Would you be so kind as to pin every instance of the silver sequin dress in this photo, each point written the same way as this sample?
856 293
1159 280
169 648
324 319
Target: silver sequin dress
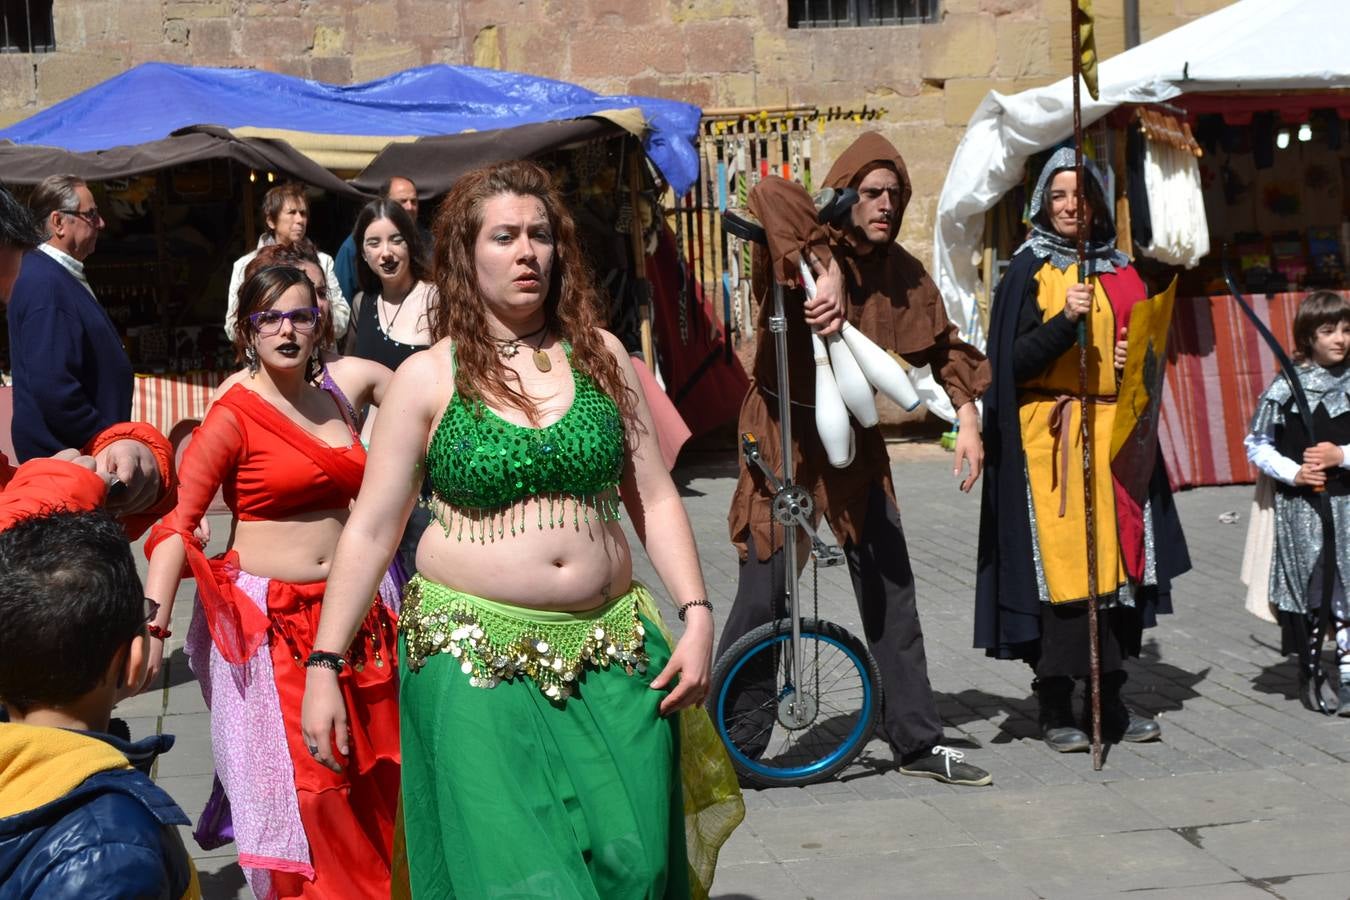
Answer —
1298 527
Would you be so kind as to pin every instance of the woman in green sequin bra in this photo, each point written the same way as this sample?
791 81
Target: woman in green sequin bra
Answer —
541 689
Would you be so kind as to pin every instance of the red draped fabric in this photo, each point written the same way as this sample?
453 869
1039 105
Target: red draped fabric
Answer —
1217 366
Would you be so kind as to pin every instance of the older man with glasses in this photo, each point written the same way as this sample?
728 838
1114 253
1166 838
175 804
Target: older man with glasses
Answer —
72 378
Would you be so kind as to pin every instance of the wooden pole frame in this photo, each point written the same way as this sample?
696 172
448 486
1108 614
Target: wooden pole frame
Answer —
1084 334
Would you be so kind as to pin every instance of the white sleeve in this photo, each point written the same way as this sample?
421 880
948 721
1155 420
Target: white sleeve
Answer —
342 312
232 295
1345 456
1261 453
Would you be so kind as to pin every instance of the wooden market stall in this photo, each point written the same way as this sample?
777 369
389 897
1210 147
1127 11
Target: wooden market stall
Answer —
181 198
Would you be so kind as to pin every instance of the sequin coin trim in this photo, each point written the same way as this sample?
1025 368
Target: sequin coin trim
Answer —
492 645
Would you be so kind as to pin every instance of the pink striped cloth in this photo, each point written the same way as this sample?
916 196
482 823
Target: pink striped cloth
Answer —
166 400
1217 366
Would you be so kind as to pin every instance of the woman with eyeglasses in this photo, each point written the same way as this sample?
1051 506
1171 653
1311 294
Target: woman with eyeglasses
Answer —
289 460
359 383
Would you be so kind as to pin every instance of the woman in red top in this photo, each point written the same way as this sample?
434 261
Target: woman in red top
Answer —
290 462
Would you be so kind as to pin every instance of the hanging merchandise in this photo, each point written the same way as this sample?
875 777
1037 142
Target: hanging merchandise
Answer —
1176 203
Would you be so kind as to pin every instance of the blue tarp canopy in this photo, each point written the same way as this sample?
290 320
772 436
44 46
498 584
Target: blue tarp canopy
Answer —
154 100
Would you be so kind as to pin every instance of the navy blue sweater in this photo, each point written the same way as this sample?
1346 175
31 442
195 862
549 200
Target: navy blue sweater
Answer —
72 378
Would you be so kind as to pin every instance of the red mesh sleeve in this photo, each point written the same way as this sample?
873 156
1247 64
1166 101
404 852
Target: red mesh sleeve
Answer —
238 627
136 523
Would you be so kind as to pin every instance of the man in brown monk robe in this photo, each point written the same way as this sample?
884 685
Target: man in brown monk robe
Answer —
866 278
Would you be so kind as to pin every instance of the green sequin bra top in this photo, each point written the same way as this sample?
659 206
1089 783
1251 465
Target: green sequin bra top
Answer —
484 469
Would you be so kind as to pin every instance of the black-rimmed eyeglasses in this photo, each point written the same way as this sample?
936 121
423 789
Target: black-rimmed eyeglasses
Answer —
92 216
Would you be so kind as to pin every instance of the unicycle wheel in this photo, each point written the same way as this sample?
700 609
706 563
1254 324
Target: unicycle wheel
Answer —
779 734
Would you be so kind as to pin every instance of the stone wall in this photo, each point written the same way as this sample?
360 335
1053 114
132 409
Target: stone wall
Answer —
714 53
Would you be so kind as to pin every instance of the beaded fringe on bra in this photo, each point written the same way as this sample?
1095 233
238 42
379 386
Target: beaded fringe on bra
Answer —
488 525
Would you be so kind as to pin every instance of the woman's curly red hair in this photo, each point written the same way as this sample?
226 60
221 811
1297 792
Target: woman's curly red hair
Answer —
572 309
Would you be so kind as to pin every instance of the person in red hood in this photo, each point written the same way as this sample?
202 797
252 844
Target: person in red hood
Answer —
869 280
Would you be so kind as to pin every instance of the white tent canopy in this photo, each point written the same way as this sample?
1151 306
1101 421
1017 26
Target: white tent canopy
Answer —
1253 45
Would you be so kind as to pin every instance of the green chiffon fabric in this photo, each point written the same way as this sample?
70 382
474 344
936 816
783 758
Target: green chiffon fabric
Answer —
508 793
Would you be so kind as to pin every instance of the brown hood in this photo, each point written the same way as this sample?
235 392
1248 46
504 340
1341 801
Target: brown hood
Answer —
870 148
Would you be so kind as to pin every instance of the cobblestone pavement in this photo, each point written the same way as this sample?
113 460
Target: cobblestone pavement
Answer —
1247 795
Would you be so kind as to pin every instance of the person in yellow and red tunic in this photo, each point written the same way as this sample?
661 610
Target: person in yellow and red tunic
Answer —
1033 573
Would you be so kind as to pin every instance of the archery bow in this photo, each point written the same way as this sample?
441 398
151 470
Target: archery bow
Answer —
1313 669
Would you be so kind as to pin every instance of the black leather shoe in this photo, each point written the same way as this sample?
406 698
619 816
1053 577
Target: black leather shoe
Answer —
1058 729
1140 730
1119 722
1065 739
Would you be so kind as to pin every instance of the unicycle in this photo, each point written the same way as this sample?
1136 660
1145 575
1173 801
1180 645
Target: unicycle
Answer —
795 700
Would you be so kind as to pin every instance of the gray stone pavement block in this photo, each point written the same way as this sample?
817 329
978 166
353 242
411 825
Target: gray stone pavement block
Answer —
221 878
944 872
148 704
190 792
1311 887
741 848
1268 849
858 830
1074 866
1046 812
1327 780
184 698
1229 890
1209 799
140 726
755 881
191 753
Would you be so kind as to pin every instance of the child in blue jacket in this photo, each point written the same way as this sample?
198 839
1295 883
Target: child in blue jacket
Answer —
79 815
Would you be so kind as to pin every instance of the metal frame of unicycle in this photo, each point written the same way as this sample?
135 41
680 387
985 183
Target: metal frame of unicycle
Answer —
792 508
796 704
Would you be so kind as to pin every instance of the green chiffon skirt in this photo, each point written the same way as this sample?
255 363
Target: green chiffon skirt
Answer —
508 793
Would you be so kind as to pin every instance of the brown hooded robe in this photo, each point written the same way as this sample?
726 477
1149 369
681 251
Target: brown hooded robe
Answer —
889 298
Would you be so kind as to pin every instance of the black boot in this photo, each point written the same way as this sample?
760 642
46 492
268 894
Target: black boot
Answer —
1119 722
1058 729
1323 698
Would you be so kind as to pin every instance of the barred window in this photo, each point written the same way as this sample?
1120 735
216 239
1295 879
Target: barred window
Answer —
853 13
26 26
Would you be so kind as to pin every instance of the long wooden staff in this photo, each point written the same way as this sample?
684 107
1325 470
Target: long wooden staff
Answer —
1094 639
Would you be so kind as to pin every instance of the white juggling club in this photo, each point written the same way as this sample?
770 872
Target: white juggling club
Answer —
836 434
881 369
853 385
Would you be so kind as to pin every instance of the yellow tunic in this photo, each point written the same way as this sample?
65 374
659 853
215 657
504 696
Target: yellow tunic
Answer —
1062 538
